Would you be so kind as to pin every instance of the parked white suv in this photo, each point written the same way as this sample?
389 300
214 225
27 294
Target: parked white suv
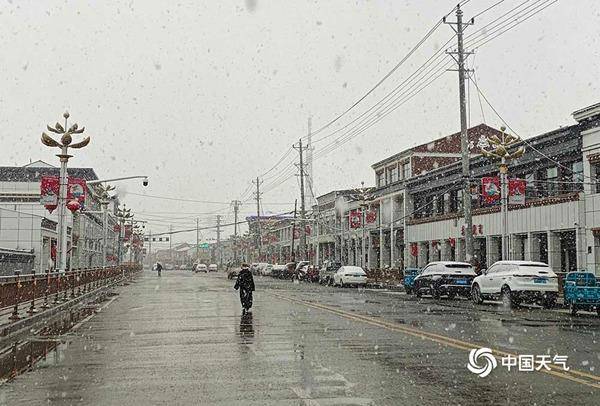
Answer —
515 282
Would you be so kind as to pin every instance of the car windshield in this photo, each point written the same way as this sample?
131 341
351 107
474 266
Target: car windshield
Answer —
229 202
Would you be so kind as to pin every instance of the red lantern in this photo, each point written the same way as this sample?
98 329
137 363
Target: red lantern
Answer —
50 207
73 205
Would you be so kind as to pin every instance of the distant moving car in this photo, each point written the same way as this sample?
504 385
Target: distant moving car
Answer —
327 271
213 268
517 281
201 268
169 267
350 275
444 278
278 271
582 292
409 279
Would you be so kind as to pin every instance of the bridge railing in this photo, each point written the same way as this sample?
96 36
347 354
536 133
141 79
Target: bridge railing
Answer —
26 294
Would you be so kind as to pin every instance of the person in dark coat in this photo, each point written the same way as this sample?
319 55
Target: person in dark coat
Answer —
245 283
158 268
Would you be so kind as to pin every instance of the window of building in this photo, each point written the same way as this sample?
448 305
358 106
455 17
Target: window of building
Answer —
394 173
453 204
439 204
552 185
380 179
530 186
577 168
406 170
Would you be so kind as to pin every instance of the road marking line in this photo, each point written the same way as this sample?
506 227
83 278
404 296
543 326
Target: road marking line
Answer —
440 339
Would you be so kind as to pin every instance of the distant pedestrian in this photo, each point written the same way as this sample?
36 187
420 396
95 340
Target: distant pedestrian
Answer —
158 268
245 283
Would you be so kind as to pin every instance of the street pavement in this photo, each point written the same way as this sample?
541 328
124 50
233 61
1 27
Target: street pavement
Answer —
181 339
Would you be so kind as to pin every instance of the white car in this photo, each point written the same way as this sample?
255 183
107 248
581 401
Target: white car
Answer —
213 268
350 275
201 268
266 270
515 282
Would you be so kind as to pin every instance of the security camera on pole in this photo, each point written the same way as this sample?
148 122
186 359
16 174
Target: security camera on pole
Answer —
66 140
499 149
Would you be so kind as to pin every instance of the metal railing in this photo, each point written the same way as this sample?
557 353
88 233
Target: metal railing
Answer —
25 295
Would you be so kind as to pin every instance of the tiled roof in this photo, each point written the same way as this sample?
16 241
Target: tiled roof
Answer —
34 174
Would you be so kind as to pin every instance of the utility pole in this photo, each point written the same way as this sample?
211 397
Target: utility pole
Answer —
259 242
197 240
293 254
219 256
171 243
150 248
301 150
464 140
236 208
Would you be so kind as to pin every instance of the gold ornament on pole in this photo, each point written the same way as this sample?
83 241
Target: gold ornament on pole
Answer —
499 149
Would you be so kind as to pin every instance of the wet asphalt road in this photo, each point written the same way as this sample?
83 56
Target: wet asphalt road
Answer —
181 339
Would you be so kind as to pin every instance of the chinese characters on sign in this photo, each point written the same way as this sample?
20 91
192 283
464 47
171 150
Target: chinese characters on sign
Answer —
482 361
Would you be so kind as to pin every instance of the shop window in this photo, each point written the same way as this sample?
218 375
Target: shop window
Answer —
394 174
439 204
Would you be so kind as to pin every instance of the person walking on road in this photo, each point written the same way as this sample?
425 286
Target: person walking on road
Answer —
158 268
245 283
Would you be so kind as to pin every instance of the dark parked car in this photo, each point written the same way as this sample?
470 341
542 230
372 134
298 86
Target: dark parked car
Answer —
327 271
445 278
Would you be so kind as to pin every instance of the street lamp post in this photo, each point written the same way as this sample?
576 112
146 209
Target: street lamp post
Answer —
123 215
499 150
64 144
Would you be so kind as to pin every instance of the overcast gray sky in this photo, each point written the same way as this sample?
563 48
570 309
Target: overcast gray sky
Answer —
203 96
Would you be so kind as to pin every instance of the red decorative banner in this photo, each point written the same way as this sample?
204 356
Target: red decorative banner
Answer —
355 219
490 189
516 191
371 216
76 190
308 230
452 241
414 249
49 189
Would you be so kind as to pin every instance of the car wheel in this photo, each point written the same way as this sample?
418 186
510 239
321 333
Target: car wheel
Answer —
476 295
451 295
507 298
573 309
549 302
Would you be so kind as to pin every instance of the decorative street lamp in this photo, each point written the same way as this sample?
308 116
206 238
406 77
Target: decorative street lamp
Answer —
498 149
123 214
65 143
103 191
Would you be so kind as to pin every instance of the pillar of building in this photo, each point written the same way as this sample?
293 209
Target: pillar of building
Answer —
392 236
434 251
372 262
492 250
460 249
554 252
532 247
422 255
516 247
445 250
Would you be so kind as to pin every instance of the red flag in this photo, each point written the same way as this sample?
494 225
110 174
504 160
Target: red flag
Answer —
354 219
371 216
490 189
516 191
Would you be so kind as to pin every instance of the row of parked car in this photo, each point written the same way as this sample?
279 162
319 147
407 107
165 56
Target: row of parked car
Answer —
512 282
197 268
330 273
